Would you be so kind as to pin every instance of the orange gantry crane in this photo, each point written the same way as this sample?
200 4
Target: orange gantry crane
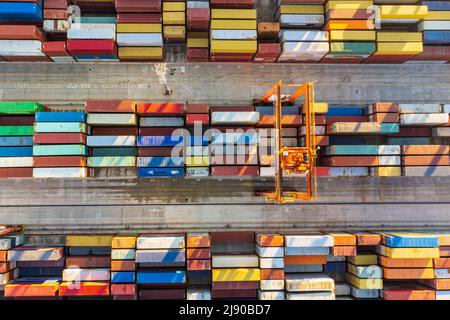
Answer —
294 160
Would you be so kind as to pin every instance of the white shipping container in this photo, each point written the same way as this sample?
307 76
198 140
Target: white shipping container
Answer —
122 119
139 39
315 49
21 48
267 171
426 171
40 254
233 118
316 20
198 294
56 25
303 268
60 172
446 108
161 121
92 31
309 241
389 160
16 162
389 149
366 272
111 141
270 295
349 171
442 273
434 25
197 5
419 108
164 257
290 142
235 261
309 282
364 293
443 295
270 252
433 119
271 263
63 59
197 171
123 254
5 243
305 251
233 35
441 132
92 274
304 35
271 285
160 242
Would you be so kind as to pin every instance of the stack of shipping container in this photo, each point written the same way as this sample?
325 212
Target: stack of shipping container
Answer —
198 260
16 138
174 21
197 150
8 269
112 145
123 268
269 49
59 149
56 15
197 23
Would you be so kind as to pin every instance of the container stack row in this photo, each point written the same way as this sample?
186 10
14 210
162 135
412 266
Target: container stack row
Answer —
198 18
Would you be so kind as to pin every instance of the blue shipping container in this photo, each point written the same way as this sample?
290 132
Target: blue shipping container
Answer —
344 111
40 271
88 251
436 37
336 267
285 110
24 141
390 128
60 117
437 5
160 172
161 277
16 151
20 11
159 141
123 277
411 241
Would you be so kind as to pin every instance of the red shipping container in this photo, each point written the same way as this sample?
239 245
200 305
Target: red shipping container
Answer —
120 106
3 255
232 108
388 58
198 54
21 32
235 285
198 14
384 117
138 6
92 47
27 59
197 108
272 274
130 297
444 251
123 265
434 53
16 120
139 18
114 131
59 138
123 289
234 171
55 48
425 150
162 294
367 239
89 261
351 161
84 289
233 294
384 107
59 161
268 52
234 159
191 119
16 173
5 267
425 160
198 253
155 151
343 251
56 4
163 131
322 171
242 4
199 264
408 294
228 59
56 14
233 236
333 119
160 109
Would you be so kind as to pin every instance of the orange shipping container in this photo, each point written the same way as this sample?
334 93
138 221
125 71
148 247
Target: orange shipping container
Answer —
270 240
3 255
404 294
367 239
160 108
343 239
408 273
84 289
444 251
272 274
343 251
425 150
123 289
349 25
110 106
438 284
286 120
425 160
442 263
293 260
198 254
31 290
406 263
123 265
444 239
198 241
199 264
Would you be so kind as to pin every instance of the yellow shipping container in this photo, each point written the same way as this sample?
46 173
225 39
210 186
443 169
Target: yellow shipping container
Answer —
198 42
197 161
233 24
364 283
140 52
320 107
233 14
399 48
139 27
174 6
174 18
236 274
123 242
347 5
363 259
88 241
409 252
174 31
388 171
437 15
234 46
403 12
386 36
301 9
352 35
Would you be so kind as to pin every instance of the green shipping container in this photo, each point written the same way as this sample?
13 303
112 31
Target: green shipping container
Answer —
20 107
66 127
111 162
114 152
352 47
352 150
60 150
98 20
16 130
388 128
409 141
